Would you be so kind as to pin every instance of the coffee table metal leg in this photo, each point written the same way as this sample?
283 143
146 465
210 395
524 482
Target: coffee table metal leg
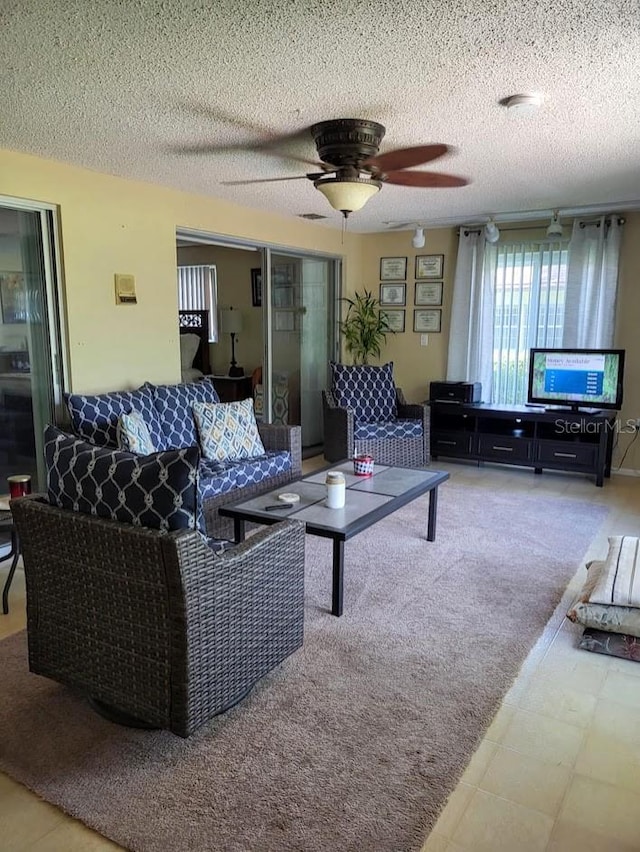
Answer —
433 509
238 530
15 551
338 576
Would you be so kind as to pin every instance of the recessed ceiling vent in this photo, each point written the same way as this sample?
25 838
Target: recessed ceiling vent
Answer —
311 216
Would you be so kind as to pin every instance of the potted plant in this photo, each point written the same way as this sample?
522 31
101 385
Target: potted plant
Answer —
365 327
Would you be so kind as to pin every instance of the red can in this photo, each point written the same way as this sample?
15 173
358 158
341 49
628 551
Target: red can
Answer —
19 485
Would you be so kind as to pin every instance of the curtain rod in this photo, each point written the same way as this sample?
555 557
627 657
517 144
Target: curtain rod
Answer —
583 223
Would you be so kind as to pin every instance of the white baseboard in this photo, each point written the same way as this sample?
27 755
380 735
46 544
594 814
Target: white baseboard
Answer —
626 471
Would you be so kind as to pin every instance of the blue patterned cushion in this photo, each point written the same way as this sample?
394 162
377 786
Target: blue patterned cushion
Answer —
133 434
174 404
393 429
369 391
221 477
95 418
157 491
228 430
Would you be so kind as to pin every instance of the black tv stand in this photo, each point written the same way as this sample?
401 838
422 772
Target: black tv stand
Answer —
540 438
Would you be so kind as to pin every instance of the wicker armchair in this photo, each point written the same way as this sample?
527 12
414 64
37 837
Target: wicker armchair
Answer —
340 441
153 626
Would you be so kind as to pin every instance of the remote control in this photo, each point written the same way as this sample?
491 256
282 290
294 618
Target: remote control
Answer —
276 506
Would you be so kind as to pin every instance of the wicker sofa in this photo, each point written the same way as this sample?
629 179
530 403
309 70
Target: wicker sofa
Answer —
364 413
151 625
167 411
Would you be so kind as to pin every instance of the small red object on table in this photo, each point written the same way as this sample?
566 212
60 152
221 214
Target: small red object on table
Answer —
19 485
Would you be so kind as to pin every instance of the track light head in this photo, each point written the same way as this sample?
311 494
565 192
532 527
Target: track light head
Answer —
491 232
418 239
555 228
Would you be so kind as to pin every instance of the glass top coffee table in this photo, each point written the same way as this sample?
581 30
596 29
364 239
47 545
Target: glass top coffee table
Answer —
368 499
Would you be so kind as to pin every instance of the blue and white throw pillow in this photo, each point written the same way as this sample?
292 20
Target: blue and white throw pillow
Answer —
228 430
157 491
133 434
369 391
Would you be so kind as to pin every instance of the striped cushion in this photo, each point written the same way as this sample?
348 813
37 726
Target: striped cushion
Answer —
619 583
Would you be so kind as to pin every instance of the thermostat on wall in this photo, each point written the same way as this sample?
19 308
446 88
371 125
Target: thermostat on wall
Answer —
125 289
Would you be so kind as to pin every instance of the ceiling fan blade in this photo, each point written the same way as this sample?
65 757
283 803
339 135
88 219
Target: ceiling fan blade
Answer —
404 158
269 148
269 180
424 179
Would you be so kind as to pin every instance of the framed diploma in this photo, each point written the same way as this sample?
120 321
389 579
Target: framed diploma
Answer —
395 320
429 265
428 293
393 295
393 268
427 321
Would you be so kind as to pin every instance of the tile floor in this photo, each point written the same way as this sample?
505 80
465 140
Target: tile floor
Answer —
559 768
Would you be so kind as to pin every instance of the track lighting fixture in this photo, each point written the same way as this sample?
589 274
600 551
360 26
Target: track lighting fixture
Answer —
491 232
418 239
555 228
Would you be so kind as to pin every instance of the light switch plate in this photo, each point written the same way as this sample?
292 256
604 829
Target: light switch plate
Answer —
424 340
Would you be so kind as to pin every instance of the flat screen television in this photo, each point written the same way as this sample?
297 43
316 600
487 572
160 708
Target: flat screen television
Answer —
576 378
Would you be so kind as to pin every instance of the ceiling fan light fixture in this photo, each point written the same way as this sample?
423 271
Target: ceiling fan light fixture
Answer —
555 228
491 232
347 195
418 239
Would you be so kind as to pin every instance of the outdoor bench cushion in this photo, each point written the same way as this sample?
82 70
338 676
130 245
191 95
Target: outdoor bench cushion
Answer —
369 391
391 429
220 477
158 491
94 417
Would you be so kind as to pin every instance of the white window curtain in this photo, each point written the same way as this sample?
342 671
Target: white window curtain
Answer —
197 291
592 283
471 332
510 296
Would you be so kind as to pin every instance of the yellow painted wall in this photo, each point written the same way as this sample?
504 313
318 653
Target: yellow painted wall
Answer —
414 365
111 225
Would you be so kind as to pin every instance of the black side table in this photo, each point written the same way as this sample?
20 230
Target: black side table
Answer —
6 523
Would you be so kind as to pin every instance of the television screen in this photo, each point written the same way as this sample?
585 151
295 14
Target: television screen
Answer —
576 377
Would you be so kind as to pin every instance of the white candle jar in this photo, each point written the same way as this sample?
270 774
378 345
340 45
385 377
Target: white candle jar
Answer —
336 490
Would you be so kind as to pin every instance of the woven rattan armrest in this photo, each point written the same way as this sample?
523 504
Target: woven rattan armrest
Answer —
338 429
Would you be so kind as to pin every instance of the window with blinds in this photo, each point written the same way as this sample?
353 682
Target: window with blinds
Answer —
529 301
197 291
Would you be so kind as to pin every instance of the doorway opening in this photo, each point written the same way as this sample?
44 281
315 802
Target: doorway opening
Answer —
276 310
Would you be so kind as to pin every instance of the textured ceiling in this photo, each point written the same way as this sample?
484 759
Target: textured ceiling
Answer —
120 86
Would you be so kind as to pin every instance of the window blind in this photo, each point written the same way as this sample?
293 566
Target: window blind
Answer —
197 291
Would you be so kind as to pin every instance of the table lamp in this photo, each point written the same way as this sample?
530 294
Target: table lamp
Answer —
231 323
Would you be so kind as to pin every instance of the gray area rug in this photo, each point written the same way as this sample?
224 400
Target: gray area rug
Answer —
357 740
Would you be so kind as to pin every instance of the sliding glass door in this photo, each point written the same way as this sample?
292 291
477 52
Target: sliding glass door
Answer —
302 332
28 341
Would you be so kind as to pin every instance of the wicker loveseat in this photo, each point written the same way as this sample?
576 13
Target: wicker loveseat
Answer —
365 413
168 414
152 625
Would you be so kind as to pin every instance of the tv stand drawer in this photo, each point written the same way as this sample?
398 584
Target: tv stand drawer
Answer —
504 448
567 453
450 444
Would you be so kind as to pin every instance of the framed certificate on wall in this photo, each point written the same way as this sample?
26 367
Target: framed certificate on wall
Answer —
393 268
428 293
425 321
429 265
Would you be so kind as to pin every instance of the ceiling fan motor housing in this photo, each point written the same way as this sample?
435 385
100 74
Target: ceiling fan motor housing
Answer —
347 141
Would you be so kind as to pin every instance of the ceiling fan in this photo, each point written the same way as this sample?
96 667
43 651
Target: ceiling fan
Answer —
352 171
